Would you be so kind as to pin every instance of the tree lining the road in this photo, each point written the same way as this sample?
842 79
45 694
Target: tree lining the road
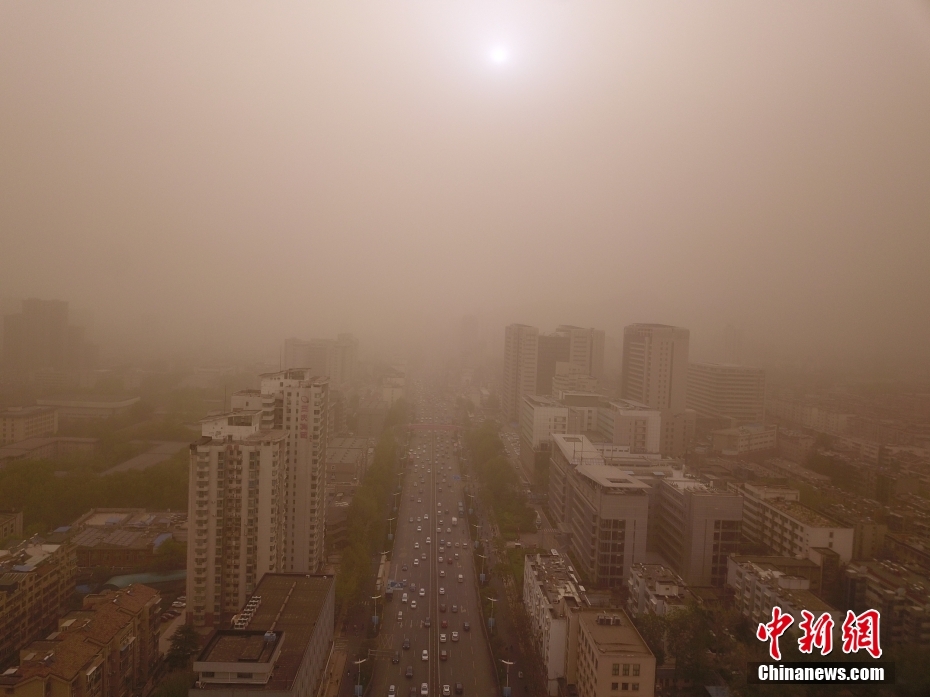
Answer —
501 485
366 521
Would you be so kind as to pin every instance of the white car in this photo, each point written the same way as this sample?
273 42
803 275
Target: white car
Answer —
442 638
419 528
423 556
413 604
440 560
426 516
427 540
455 636
411 519
442 573
392 691
419 519
442 591
424 688
416 545
423 591
416 562
425 656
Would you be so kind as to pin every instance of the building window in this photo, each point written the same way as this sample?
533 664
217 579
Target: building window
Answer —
635 687
616 669
625 687
614 685
626 668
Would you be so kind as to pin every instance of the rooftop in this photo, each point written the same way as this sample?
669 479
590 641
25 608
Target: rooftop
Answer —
577 449
612 632
611 478
803 514
23 412
555 576
289 604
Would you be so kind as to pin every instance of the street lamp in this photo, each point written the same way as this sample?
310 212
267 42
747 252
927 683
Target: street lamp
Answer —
358 685
391 528
482 565
507 682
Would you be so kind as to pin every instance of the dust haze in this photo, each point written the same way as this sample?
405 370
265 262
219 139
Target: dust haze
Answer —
220 176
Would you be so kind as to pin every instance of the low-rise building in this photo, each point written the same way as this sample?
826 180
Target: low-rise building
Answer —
610 658
36 583
347 460
758 587
47 448
777 520
899 592
11 524
20 423
88 407
655 589
279 642
550 591
109 648
795 446
124 539
750 438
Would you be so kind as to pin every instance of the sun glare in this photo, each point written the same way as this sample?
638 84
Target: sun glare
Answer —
499 55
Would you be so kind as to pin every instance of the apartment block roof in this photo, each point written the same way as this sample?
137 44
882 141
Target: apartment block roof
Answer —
612 632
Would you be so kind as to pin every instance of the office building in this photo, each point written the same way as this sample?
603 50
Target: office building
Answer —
550 590
655 589
604 509
741 440
36 585
775 518
732 392
236 512
585 349
279 642
568 378
521 345
346 460
124 539
540 417
20 423
611 657
654 372
625 422
758 587
698 526
109 648
552 350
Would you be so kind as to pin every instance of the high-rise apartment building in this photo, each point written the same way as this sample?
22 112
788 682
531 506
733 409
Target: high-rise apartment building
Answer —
256 500
337 360
235 513
40 337
521 345
655 372
734 392
297 402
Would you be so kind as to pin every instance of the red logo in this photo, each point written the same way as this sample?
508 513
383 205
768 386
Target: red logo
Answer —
859 632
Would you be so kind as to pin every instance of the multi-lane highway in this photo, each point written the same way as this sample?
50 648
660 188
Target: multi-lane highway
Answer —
431 554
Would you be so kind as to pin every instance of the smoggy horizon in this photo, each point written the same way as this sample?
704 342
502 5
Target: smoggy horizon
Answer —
216 178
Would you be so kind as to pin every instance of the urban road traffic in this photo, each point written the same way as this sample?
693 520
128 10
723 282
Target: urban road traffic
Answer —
434 635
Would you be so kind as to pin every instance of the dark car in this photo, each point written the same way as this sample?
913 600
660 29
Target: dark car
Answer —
466 627
406 644
426 623
442 607
409 672
444 624
459 688
455 608
443 655
396 657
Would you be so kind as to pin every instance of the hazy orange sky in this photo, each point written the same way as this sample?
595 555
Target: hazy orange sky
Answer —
233 173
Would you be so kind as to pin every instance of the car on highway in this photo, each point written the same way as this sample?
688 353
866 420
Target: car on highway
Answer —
455 636
459 688
425 655
396 657
443 655
449 560
442 573
423 556
426 623
442 607
427 540
440 560
413 605
455 608
442 638
411 519
416 545
416 562
446 692
392 691
404 567
406 644
424 690
461 578
442 591
419 528
409 672
423 591
444 624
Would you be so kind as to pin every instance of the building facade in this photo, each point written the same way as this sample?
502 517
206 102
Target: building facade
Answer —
21 423
698 527
521 346
612 657
722 391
